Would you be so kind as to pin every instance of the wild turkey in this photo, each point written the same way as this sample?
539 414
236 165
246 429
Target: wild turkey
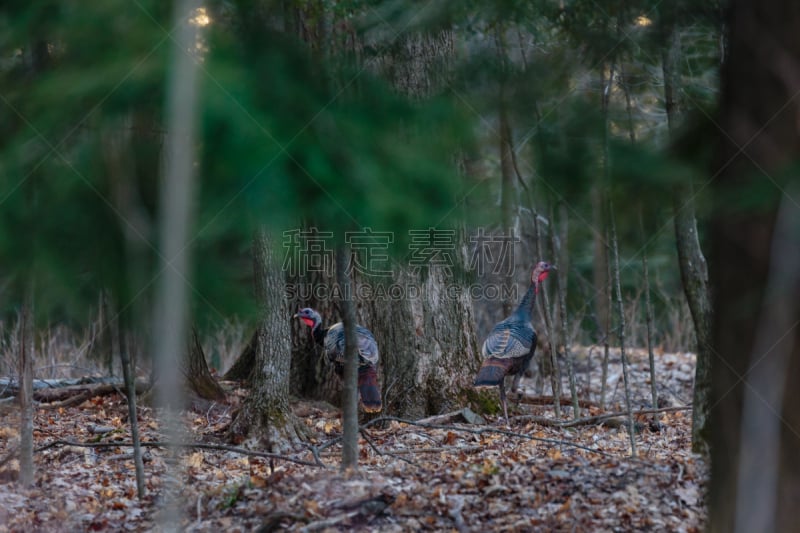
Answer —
332 340
511 344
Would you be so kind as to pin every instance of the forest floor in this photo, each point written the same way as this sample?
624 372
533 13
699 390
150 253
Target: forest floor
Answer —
456 477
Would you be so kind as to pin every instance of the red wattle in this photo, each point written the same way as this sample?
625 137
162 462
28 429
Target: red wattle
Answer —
308 321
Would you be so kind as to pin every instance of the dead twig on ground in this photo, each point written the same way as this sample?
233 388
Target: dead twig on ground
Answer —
590 420
201 445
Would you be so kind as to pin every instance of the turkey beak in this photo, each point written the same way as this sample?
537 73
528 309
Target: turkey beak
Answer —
552 267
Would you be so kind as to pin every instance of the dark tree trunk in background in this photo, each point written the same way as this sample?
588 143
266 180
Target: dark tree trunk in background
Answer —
599 264
694 277
350 377
755 421
119 347
26 344
508 199
242 368
102 343
132 155
417 65
509 196
195 371
265 414
600 260
691 261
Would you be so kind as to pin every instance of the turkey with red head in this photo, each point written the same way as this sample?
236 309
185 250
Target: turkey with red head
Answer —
511 344
332 341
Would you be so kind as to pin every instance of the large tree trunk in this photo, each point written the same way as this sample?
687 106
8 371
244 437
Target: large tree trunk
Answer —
429 352
691 261
756 414
265 414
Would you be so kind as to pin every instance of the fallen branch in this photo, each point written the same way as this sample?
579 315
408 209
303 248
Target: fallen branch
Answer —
76 394
549 400
201 445
438 449
481 431
591 420
10 386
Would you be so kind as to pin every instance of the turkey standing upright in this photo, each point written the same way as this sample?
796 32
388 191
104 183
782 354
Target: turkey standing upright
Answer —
332 340
511 344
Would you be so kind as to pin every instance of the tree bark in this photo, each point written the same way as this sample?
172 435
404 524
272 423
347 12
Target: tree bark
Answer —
756 403
648 311
102 343
600 260
118 345
561 297
550 360
621 334
691 261
507 199
607 325
508 192
265 414
429 350
350 377
195 371
26 344
694 278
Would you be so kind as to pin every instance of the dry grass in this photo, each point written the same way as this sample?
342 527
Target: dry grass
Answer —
61 352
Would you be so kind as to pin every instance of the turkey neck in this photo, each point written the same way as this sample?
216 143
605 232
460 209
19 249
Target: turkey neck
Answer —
525 307
319 334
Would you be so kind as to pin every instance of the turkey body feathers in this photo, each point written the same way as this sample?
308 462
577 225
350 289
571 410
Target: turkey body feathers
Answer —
509 346
494 370
369 389
334 345
510 338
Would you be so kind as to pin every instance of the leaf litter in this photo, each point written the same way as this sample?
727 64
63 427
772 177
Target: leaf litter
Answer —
410 478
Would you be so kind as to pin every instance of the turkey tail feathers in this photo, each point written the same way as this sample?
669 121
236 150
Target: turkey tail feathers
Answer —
492 372
369 389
